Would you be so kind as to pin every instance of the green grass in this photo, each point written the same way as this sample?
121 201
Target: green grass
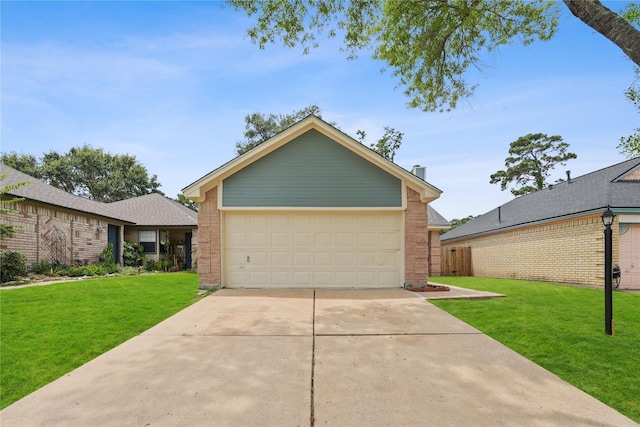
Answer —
47 331
562 329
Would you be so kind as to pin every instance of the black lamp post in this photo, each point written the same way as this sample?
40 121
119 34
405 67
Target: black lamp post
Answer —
607 220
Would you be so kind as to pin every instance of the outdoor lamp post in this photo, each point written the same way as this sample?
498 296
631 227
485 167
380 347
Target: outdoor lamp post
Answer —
607 220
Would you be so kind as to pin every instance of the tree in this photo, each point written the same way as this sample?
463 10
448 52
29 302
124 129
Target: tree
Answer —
387 145
532 157
430 45
260 127
90 173
186 202
455 223
7 230
630 145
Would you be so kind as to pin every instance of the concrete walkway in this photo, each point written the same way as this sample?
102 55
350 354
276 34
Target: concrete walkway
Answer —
311 358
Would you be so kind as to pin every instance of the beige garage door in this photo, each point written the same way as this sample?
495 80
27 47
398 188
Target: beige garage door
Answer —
309 250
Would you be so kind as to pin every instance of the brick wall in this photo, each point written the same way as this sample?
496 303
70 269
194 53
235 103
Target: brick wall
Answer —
209 249
434 253
570 251
416 237
45 233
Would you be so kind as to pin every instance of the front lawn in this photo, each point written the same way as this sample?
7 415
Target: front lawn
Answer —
561 328
47 331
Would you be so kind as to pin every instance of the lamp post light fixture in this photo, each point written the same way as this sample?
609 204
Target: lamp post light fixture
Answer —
607 219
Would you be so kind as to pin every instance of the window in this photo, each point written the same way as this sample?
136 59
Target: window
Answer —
148 241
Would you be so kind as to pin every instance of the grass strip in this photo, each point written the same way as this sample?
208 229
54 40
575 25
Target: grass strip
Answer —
47 331
561 328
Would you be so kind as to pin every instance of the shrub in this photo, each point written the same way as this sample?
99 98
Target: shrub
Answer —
13 264
132 254
110 268
106 256
46 268
149 265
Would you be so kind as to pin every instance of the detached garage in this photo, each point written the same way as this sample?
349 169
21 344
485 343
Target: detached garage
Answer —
312 208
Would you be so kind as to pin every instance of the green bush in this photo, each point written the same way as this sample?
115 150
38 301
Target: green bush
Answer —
149 265
106 256
13 264
110 268
132 254
46 268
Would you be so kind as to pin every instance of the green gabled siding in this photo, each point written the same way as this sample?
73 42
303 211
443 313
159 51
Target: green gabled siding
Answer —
312 171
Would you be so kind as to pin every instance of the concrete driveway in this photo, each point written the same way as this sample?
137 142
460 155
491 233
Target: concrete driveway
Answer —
311 358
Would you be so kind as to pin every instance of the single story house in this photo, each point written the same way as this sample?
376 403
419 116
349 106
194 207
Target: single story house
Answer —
55 226
312 207
556 234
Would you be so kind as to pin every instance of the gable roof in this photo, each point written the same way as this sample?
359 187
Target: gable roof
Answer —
197 189
150 209
40 191
615 186
435 219
155 210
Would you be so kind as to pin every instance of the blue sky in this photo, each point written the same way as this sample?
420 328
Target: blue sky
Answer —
171 83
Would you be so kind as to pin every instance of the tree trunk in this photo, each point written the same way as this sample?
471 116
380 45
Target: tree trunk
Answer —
609 24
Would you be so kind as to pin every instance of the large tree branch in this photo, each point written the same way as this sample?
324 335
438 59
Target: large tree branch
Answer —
609 24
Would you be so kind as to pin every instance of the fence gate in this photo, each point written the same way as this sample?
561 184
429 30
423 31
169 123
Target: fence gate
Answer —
456 261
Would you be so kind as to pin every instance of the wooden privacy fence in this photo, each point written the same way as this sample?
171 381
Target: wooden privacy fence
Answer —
456 261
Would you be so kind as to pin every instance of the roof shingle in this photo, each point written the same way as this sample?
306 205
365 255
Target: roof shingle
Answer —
587 193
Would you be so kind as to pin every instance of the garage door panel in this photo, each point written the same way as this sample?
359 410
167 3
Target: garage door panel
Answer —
280 277
280 239
346 240
302 278
346 259
344 279
281 221
302 240
302 222
299 249
345 222
324 240
324 259
365 278
259 221
388 240
259 259
281 259
366 240
323 278
366 258
260 239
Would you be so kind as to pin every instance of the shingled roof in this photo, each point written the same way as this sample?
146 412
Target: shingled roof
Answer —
156 210
435 219
617 186
150 209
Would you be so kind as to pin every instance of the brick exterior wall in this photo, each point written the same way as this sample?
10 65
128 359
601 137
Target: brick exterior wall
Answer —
209 258
570 251
46 233
416 238
434 253
633 176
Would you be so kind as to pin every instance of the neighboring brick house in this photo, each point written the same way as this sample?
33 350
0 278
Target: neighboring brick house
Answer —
311 207
556 234
55 226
